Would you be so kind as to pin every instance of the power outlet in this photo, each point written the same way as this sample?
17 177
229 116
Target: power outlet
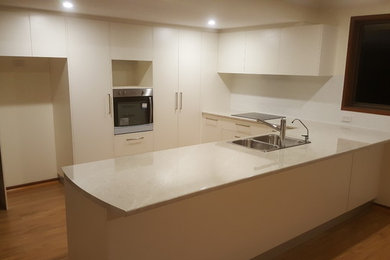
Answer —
346 119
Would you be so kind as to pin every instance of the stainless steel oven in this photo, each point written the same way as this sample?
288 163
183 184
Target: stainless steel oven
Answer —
133 110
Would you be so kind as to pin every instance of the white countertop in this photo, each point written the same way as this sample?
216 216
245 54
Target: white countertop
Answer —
138 182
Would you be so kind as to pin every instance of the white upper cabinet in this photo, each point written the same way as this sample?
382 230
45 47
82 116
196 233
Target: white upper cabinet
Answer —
231 52
48 35
262 51
299 50
15 37
304 51
131 42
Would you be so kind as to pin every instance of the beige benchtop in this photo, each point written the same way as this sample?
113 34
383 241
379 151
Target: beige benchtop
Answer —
134 183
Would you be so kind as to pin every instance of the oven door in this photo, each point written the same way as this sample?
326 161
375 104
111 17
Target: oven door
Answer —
133 114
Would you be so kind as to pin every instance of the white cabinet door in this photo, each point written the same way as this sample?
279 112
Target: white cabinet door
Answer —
48 35
135 143
131 42
90 85
190 43
366 170
231 52
300 50
165 78
15 37
262 51
211 129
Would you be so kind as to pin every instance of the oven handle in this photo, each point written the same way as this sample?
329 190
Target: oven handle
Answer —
151 110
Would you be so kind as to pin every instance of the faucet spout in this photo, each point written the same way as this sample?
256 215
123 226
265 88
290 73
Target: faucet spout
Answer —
306 136
280 128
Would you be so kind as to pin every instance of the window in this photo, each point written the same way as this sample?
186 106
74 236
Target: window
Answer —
367 74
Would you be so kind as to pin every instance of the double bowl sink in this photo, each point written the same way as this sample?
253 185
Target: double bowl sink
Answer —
271 142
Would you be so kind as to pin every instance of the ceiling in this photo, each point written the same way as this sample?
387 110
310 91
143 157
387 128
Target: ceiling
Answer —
227 13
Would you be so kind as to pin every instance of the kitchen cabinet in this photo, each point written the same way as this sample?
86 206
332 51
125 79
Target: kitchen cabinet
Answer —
131 42
231 52
89 67
306 50
176 77
15 37
299 50
216 128
211 129
262 51
48 35
134 143
365 175
189 115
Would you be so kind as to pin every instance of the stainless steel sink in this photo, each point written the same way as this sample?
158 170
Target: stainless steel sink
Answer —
269 142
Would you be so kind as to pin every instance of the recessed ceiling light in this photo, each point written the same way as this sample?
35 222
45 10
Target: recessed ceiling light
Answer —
211 22
67 4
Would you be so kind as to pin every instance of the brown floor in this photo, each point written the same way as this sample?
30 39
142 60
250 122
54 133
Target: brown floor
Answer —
34 227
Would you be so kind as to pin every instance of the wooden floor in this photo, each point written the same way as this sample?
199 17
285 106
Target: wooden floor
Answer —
34 227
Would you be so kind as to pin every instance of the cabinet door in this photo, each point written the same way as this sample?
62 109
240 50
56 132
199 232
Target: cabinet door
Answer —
48 35
165 89
300 50
366 170
135 143
90 85
131 42
231 52
189 87
211 130
262 51
15 37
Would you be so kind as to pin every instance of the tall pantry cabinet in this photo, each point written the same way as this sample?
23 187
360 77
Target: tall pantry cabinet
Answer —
176 80
90 89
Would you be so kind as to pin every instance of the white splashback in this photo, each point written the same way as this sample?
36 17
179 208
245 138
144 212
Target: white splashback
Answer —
313 98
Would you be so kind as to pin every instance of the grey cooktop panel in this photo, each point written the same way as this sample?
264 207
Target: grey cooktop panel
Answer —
260 116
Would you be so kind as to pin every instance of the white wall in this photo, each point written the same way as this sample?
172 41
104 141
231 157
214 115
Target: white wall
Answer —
314 98
61 113
26 121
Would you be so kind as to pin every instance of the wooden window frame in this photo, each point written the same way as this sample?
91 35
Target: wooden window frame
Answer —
352 66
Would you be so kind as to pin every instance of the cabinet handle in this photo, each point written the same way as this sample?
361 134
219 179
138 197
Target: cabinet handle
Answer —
151 110
242 125
109 105
135 139
236 136
181 100
212 119
176 100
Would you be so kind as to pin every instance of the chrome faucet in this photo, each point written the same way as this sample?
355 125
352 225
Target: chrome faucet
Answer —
281 128
306 136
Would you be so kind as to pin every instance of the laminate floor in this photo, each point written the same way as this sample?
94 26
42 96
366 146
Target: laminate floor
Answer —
34 228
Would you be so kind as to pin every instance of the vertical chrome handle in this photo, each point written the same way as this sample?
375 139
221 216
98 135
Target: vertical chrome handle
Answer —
176 101
181 100
109 105
151 110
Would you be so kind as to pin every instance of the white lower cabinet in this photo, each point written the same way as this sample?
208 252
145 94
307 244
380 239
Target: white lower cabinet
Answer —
365 175
215 128
134 143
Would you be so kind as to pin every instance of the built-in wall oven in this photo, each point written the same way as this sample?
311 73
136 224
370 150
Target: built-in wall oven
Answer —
133 110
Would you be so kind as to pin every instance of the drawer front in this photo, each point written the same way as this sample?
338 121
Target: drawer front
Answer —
211 130
129 144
